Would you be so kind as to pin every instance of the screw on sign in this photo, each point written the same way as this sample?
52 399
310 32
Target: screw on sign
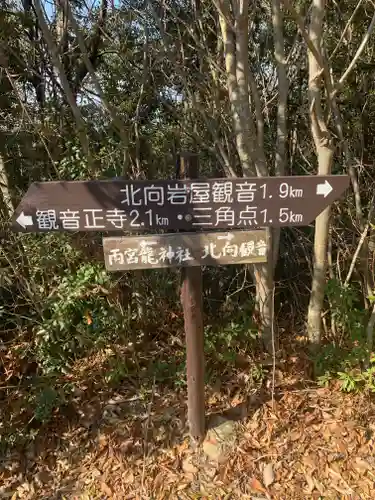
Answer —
118 205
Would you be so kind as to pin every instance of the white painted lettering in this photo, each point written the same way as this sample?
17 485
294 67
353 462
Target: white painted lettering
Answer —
200 192
166 254
183 254
70 219
248 217
209 251
116 217
245 192
222 192
130 196
177 195
115 256
247 249
226 215
146 252
92 218
229 249
46 219
202 213
154 194
261 247
131 255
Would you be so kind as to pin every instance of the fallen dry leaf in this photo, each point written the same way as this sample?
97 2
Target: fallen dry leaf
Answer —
126 446
362 464
334 473
289 434
182 447
310 484
128 477
309 461
319 486
102 441
326 415
106 489
182 486
295 435
256 485
343 491
158 481
341 446
268 475
188 467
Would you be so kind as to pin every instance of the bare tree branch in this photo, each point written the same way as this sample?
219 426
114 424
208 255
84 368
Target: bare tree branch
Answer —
139 102
81 126
119 125
357 54
346 29
93 46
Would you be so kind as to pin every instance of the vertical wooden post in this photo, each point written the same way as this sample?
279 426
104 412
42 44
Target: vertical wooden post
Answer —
192 304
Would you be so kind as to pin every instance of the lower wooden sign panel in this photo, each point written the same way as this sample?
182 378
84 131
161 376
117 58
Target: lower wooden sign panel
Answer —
184 250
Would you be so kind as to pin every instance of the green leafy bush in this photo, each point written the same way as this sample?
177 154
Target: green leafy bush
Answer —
77 316
343 359
346 310
223 341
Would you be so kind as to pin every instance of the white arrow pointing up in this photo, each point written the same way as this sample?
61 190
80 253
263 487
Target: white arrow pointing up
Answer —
24 220
324 189
228 236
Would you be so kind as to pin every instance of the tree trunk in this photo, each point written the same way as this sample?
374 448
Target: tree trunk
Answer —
282 133
238 102
250 148
6 201
324 152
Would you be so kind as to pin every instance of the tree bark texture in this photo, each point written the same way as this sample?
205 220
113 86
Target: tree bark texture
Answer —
242 90
324 151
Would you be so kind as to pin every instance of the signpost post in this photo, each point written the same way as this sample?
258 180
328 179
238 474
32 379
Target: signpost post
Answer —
191 297
242 206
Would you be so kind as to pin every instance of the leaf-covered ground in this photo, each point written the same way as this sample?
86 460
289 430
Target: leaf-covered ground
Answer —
131 443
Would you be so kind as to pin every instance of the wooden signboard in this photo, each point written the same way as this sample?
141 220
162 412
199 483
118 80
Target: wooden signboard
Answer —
185 250
119 205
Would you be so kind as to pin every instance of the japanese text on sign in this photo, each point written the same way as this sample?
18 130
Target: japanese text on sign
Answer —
148 254
175 194
171 250
196 192
100 219
117 205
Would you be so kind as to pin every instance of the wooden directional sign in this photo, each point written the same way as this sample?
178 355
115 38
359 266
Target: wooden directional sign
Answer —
118 205
185 249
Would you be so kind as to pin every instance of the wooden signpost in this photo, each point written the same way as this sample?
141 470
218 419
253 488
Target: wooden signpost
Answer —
241 207
190 205
185 250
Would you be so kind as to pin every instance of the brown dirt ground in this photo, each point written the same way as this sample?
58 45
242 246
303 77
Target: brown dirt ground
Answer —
303 442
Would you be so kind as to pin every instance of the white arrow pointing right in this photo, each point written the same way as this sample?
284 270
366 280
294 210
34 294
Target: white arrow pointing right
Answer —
324 189
24 220
228 236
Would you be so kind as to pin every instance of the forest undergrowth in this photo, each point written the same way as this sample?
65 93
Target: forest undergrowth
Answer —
93 400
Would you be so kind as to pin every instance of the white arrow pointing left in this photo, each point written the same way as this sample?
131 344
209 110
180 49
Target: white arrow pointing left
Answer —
24 220
324 189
